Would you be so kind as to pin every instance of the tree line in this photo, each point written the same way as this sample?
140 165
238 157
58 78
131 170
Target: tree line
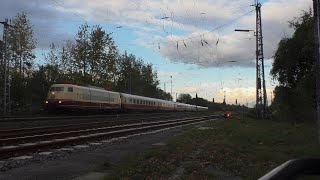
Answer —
91 58
212 105
294 69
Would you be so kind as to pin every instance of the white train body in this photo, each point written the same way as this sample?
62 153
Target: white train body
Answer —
74 97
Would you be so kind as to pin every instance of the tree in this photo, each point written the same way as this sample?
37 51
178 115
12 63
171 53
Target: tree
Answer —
185 98
103 54
21 43
293 67
67 62
81 51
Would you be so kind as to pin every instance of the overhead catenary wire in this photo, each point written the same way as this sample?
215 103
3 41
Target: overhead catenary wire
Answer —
177 43
74 13
197 27
183 41
178 19
160 26
212 30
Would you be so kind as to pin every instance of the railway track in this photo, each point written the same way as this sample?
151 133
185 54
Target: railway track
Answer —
11 133
57 118
72 120
36 140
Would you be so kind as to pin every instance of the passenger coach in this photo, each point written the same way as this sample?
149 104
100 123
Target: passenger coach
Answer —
138 103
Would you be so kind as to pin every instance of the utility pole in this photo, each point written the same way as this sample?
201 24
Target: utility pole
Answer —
5 67
261 94
317 61
224 98
171 87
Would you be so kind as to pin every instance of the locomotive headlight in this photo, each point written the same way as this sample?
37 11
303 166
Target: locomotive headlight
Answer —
46 102
59 102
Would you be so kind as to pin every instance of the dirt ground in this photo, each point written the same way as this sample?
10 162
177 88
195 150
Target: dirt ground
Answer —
90 164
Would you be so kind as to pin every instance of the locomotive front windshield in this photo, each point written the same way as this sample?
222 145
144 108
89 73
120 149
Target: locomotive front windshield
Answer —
56 89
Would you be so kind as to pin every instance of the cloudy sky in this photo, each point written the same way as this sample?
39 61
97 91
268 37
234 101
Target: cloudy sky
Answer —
191 40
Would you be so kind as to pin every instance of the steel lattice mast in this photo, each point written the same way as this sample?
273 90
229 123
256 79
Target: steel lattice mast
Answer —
5 80
261 94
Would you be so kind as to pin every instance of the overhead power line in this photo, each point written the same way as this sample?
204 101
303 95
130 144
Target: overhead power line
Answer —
74 13
214 29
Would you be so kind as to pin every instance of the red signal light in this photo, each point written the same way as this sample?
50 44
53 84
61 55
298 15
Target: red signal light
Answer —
227 115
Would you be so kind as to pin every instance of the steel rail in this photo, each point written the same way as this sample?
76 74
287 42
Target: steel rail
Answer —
39 118
42 145
46 129
24 139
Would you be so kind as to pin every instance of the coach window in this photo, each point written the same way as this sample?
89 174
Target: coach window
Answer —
70 89
57 89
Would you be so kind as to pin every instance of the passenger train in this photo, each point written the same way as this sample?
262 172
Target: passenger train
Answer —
63 97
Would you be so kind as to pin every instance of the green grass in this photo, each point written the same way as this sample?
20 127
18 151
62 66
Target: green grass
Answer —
245 148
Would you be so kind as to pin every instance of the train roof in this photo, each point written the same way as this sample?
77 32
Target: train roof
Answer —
138 97
85 87
145 98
